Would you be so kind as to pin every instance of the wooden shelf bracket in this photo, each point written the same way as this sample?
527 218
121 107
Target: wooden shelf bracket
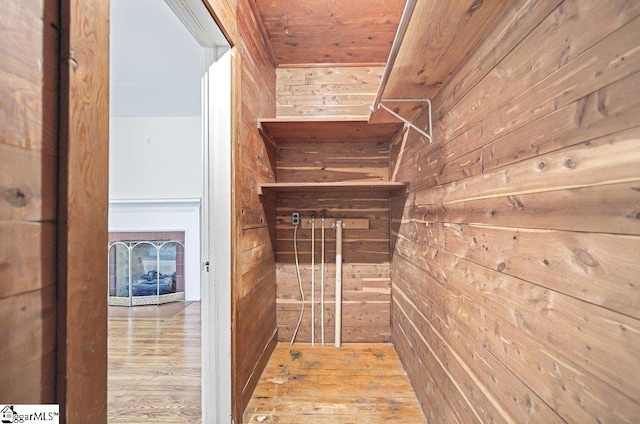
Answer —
405 120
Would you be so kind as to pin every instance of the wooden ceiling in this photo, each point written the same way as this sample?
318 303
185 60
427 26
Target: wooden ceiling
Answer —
343 32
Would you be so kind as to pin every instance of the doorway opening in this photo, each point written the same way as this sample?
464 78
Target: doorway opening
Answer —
170 117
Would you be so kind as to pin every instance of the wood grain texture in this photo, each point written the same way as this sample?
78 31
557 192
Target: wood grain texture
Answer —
366 294
237 204
593 107
28 198
337 32
31 347
27 260
253 276
339 168
484 384
363 161
27 181
285 131
535 60
155 364
29 80
357 383
224 13
519 19
82 232
513 252
429 53
326 91
564 387
592 267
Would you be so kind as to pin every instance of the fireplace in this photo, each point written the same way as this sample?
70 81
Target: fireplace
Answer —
146 268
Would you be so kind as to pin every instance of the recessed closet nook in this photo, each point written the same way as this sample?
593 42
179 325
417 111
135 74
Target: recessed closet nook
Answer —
452 184
486 184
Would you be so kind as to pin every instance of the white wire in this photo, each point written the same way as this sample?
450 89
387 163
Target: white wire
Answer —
295 250
313 282
322 289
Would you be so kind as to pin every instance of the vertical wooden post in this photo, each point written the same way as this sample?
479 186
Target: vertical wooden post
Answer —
83 210
338 331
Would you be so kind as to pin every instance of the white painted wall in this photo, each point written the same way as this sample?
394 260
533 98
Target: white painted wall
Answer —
154 158
156 64
154 111
155 139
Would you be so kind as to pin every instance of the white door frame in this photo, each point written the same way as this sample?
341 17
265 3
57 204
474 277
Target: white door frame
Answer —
216 221
216 288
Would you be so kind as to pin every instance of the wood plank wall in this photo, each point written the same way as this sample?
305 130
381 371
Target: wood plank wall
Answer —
515 256
28 170
254 284
326 91
253 255
366 284
366 310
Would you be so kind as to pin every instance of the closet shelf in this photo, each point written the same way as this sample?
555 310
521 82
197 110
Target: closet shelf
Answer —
292 130
382 186
289 131
427 50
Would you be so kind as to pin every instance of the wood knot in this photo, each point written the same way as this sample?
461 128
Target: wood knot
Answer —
15 197
570 163
585 257
515 202
542 165
528 402
501 266
545 261
475 6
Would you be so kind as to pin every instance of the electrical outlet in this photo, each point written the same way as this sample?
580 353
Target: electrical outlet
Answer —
295 218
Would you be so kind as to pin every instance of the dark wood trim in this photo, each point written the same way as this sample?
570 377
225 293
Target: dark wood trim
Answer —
237 406
82 211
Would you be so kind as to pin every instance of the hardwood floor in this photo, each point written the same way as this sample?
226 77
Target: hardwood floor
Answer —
154 364
154 376
359 383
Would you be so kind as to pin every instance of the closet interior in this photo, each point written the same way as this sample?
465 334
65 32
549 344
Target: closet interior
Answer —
484 180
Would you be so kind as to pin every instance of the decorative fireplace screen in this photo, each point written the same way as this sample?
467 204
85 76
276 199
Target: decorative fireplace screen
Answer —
145 272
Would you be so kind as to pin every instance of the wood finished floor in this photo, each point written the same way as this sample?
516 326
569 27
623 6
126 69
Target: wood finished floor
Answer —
359 383
154 364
